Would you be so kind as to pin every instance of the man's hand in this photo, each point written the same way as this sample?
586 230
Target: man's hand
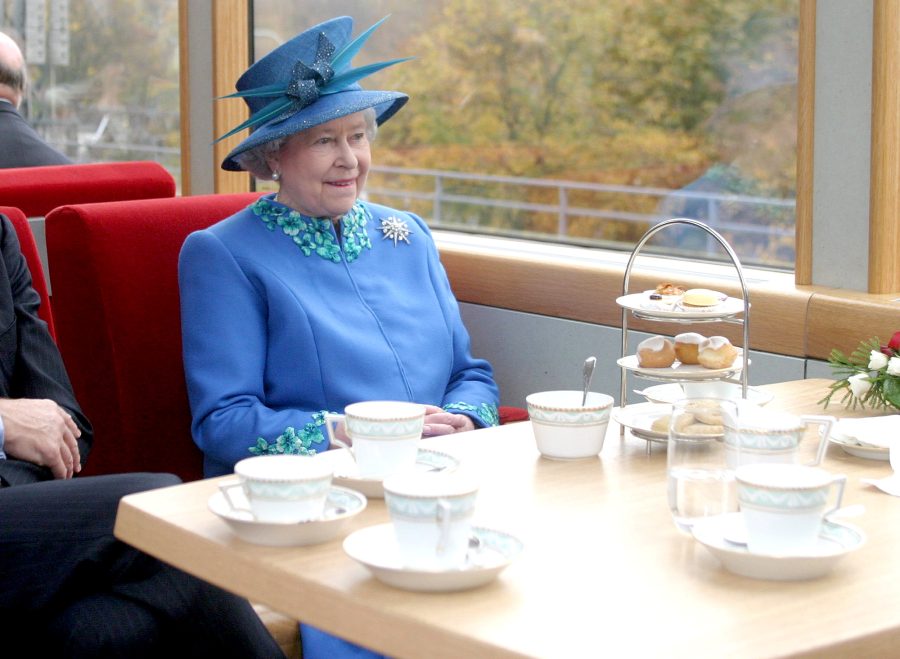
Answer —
41 432
440 422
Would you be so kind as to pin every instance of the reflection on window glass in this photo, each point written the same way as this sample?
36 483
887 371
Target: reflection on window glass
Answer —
584 122
103 76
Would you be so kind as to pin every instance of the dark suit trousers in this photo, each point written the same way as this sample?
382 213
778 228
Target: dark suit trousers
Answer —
68 588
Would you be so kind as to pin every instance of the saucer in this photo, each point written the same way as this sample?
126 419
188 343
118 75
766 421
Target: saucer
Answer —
346 472
876 431
867 437
852 447
669 393
679 371
836 540
341 505
375 547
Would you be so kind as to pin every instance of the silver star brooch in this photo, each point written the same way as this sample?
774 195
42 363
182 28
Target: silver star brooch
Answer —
395 229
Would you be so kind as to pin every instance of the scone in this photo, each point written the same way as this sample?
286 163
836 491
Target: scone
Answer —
661 424
709 413
702 297
716 352
703 429
656 352
687 346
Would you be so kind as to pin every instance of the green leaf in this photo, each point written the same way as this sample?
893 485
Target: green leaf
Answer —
892 391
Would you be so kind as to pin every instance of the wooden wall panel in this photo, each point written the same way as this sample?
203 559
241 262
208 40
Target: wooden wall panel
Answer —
841 319
576 291
231 57
806 97
884 204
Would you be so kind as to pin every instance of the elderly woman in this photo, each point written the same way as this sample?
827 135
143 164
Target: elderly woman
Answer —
310 298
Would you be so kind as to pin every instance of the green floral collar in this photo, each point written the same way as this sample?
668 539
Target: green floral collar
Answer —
316 235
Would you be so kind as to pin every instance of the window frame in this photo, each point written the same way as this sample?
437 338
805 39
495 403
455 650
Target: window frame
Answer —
231 26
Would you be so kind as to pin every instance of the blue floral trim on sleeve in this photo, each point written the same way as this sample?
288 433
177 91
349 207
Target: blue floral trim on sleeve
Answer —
293 442
315 235
486 412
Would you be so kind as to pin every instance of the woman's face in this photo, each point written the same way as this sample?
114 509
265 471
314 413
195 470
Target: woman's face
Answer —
323 169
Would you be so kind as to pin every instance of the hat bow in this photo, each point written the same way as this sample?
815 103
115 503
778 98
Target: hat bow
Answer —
328 73
306 80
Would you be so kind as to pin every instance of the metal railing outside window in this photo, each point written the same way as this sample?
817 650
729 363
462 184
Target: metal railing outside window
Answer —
761 228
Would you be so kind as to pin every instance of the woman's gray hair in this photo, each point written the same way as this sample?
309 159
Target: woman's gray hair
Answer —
256 160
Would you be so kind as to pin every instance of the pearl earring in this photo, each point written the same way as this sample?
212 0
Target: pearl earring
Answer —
275 176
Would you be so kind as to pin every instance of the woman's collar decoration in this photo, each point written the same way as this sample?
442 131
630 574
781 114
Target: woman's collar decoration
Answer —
395 229
315 235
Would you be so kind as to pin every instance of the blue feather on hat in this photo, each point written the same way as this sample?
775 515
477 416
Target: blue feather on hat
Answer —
306 82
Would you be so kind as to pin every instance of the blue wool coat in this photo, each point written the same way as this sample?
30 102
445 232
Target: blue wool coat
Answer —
282 322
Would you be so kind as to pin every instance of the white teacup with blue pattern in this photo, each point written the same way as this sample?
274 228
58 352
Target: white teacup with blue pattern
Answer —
760 435
282 488
384 434
563 428
783 505
432 517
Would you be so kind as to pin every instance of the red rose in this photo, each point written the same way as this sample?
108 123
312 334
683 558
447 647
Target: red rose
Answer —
894 343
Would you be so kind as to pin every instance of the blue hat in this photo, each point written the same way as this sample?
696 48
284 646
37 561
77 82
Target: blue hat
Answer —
306 82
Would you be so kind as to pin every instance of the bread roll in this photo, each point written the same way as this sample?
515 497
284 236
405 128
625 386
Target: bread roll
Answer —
716 352
656 352
686 347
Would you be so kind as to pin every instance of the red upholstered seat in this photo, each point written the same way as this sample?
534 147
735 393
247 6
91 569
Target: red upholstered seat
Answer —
38 190
33 258
116 306
510 414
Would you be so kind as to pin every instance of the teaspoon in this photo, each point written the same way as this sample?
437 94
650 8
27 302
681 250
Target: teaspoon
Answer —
588 374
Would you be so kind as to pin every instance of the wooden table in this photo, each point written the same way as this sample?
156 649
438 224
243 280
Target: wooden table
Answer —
604 571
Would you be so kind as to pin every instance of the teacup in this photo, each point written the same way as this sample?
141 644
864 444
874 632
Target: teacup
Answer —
563 428
756 435
783 505
431 515
384 434
281 488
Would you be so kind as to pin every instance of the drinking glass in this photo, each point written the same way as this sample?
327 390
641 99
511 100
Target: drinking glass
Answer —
700 482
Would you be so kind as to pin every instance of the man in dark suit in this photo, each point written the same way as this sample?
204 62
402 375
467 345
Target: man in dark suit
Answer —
68 588
20 145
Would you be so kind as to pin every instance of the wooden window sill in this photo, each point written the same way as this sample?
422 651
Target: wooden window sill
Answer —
582 284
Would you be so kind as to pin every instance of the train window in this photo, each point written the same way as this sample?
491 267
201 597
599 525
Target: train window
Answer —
582 122
103 77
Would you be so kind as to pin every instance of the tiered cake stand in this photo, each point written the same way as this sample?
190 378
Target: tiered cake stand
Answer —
732 310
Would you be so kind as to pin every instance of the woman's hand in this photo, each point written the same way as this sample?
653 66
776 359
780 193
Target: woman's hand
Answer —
441 422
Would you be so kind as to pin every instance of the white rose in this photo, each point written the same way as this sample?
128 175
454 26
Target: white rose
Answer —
894 366
859 384
877 360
